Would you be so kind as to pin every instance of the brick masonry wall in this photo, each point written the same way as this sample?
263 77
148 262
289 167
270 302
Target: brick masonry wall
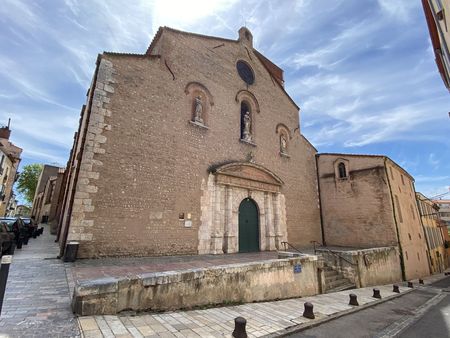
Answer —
356 211
150 164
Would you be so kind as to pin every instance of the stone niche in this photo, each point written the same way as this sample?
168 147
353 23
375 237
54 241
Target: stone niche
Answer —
227 186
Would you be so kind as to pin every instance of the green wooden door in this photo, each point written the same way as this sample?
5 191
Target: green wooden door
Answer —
248 226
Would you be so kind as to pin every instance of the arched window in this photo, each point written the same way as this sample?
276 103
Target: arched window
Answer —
342 170
246 122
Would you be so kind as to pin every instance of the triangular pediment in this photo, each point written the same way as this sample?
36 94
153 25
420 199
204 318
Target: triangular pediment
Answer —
249 171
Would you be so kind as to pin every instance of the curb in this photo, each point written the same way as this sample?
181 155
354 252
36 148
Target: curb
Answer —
301 327
397 328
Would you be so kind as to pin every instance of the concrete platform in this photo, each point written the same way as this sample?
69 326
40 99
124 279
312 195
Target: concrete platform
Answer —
108 286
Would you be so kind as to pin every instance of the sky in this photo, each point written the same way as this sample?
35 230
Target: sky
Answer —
362 72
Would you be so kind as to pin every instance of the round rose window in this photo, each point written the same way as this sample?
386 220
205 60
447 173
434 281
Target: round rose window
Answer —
245 72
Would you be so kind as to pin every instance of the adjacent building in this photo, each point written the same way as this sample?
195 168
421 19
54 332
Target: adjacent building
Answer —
9 163
46 201
429 213
444 212
12 206
22 211
369 201
437 15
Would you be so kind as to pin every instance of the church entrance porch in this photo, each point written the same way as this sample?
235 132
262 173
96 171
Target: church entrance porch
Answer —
111 285
221 229
248 226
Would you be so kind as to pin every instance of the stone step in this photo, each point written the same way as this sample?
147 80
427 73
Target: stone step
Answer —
347 286
337 283
333 278
331 273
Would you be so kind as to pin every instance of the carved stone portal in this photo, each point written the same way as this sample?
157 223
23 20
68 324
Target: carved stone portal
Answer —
222 194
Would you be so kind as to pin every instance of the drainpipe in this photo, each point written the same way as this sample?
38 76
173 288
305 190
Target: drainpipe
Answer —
320 200
402 262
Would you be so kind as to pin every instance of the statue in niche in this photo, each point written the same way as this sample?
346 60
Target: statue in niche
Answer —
198 110
283 144
246 135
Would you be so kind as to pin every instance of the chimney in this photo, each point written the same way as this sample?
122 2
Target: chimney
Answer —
5 132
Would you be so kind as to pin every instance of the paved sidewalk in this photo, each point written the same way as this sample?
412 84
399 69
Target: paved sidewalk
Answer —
37 301
262 318
37 304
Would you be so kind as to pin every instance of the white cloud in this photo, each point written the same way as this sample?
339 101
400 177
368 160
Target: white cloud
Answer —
398 9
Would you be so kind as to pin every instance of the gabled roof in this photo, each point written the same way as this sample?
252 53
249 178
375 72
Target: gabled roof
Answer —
373 156
275 72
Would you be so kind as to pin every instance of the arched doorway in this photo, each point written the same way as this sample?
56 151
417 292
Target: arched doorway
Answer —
248 226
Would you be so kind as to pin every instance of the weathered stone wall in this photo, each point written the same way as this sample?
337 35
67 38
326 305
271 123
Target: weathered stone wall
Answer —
147 162
356 211
367 267
248 282
81 223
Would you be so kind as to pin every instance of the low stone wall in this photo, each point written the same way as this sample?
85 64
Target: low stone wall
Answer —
375 266
236 283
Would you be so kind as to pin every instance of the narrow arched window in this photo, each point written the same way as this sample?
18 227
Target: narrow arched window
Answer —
342 170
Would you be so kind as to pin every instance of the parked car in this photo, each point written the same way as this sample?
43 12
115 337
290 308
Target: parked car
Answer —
29 226
16 227
9 227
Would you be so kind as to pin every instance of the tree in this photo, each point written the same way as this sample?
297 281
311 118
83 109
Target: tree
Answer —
28 180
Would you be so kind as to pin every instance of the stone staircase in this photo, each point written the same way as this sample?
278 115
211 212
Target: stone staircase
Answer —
335 281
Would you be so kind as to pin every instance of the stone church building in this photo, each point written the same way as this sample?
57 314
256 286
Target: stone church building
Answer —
193 147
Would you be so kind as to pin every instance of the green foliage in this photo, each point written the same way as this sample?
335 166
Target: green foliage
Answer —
28 180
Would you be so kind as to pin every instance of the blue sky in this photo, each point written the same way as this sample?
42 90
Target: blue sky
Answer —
363 72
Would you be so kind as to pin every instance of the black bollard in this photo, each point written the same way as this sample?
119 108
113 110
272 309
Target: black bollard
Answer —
308 312
421 281
376 293
34 233
70 255
25 240
353 300
19 243
410 285
4 271
239 328
395 288
41 230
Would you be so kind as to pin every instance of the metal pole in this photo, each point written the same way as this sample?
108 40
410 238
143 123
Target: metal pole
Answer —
4 271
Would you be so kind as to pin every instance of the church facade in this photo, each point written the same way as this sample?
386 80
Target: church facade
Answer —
193 147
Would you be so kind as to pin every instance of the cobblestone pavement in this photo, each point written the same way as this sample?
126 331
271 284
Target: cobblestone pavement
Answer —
262 318
37 301
113 267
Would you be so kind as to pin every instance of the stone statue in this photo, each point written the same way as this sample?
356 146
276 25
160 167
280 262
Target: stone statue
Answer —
246 135
198 110
283 144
